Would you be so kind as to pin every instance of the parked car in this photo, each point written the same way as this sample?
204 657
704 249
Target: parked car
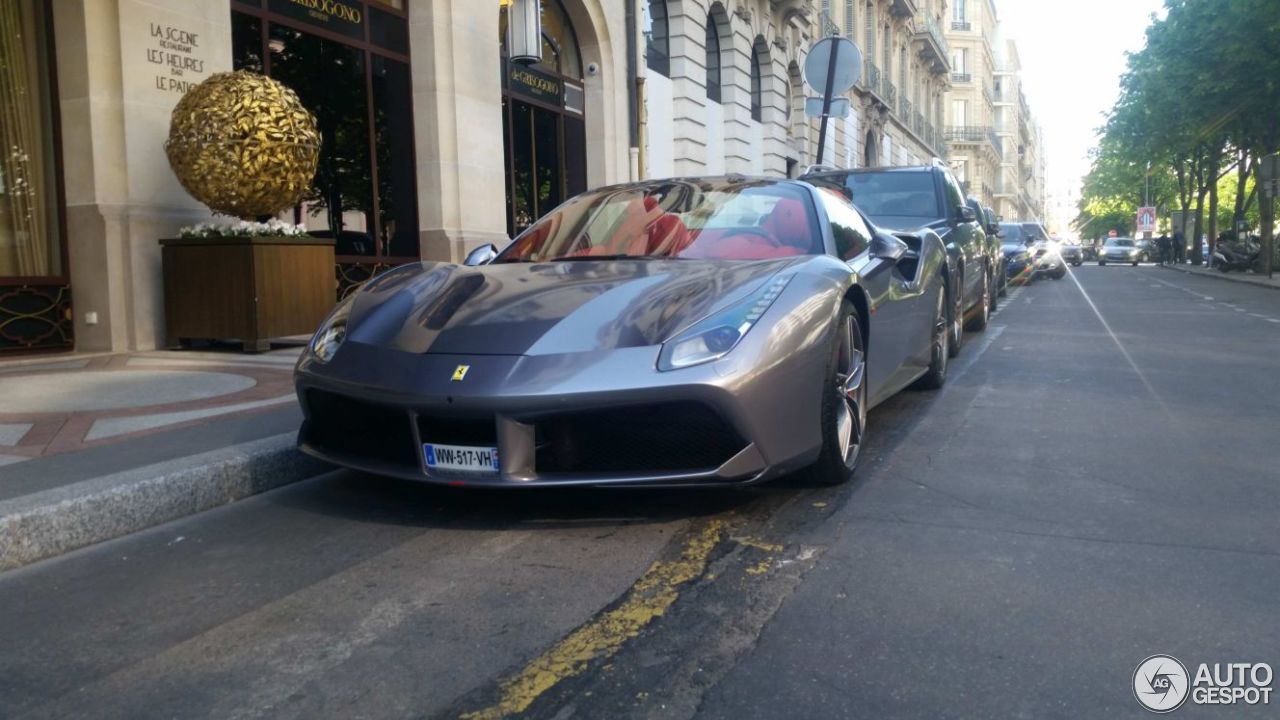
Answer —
992 227
1119 250
1048 259
929 197
722 330
1072 253
1148 251
1018 253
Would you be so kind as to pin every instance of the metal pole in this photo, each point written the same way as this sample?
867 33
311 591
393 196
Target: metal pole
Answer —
826 100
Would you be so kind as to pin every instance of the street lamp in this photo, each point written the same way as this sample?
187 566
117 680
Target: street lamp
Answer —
524 31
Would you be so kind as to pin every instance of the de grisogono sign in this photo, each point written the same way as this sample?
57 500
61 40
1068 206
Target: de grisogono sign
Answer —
340 16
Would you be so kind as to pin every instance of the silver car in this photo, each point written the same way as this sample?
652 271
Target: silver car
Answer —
1119 250
675 332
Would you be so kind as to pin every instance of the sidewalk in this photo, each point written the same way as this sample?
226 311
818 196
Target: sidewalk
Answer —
97 446
1240 277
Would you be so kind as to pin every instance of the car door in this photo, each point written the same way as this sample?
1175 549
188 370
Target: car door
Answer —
966 235
894 299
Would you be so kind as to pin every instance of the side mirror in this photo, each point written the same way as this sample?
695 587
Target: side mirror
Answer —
966 213
887 247
482 255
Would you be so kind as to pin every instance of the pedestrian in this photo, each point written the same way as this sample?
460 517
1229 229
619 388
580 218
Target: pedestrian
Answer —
1179 247
1165 244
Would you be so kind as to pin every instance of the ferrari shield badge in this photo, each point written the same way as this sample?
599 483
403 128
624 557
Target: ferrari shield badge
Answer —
460 372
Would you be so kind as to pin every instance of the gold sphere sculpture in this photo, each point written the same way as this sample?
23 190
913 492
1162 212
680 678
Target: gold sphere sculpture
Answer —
243 144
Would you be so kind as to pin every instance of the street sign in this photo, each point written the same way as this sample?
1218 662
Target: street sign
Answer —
842 71
833 66
1146 219
839 107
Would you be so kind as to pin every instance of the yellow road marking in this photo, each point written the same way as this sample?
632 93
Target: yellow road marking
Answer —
761 567
759 544
647 600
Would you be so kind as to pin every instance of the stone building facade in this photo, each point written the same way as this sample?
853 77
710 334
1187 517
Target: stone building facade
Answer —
994 142
437 141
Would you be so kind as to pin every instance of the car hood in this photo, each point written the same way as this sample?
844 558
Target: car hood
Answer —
1013 249
546 308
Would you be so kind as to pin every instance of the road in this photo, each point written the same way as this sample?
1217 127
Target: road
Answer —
1096 484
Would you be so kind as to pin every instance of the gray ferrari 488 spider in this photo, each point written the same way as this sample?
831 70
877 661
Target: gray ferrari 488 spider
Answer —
675 332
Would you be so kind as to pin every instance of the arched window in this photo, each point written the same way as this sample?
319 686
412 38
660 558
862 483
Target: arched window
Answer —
713 56
657 37
759 56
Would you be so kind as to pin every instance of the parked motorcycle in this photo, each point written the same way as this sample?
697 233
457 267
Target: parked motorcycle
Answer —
1230 253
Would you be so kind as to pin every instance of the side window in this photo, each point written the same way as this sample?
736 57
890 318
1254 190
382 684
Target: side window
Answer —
955 198
850 231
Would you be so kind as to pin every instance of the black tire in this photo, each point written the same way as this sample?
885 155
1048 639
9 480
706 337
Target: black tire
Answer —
1135 263
993 286
839 455
1102 263
936 376
982 313
956 320
1060 274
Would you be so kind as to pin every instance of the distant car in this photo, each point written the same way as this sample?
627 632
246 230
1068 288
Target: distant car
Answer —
1073 254
929 197
1148 251
993 237
1048 259
1119 250
1019 262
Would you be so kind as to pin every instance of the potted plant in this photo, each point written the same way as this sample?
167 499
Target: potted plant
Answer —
244 145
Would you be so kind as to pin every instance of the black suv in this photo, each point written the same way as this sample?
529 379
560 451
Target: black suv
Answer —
928 196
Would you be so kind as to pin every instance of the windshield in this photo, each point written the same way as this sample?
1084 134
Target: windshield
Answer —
1034 232
1119 242
679 219
895 194
1011 233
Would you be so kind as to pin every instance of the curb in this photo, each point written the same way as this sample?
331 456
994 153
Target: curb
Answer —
1241 279
49 523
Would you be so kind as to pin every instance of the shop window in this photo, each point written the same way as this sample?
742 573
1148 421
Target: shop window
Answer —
364 194
30 231
657 37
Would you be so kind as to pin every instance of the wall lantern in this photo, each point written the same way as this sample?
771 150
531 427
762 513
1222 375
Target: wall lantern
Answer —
524 31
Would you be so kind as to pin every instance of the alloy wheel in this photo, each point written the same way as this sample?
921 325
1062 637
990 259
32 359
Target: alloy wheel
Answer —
851 391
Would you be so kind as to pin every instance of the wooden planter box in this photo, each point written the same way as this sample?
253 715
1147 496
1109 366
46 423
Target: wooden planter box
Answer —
246 288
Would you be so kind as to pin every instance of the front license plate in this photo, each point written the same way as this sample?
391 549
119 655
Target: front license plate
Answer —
461 458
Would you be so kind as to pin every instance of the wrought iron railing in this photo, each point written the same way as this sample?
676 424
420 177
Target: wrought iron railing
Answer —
890 92
961 25
961 77
871 77
935 32
904 110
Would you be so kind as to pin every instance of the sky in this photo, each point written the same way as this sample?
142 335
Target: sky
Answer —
1073 54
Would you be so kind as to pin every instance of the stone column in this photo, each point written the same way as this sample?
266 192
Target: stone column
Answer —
457 113
122 66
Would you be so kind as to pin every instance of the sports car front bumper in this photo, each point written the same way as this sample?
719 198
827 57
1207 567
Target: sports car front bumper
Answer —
599 418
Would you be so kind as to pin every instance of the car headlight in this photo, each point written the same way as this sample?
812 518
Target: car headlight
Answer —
325 343
714 336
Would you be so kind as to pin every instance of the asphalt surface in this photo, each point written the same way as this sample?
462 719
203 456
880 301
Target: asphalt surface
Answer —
1096 484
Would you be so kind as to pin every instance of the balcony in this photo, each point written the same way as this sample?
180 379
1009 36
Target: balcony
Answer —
890 92
933 46
961 25
870 80
904 8
957 77
975 135
986 93
917 123
904 110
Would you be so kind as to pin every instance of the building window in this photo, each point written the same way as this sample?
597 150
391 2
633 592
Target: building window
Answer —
657 37
959 113
364 194
850 21
759 56
713 57
960 61
30 231
869 22
958 11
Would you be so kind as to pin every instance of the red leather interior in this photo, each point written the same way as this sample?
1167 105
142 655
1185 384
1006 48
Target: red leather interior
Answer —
788 223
